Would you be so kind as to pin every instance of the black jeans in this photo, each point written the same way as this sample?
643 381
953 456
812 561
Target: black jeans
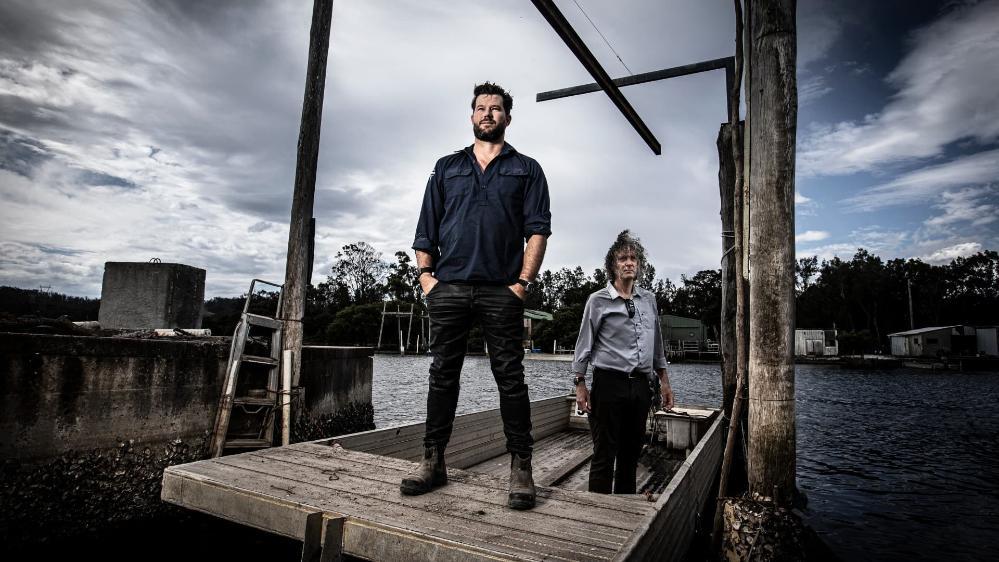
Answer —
619 407
453 309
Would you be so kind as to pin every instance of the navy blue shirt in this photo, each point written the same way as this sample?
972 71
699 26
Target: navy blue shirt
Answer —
474 223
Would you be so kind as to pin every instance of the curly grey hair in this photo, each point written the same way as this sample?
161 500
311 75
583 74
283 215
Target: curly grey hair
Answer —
625 241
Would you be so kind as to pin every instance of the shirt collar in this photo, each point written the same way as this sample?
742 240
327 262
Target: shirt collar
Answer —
507 149
615 295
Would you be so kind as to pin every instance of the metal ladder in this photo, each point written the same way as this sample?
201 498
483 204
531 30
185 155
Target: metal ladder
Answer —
256 407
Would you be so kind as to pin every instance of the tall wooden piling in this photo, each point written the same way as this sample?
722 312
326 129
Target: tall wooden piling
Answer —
726 189
299 264
773 118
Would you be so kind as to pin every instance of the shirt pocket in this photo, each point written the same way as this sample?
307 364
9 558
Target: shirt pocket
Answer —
510 184
459 187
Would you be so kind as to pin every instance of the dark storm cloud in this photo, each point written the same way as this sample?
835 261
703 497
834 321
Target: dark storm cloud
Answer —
19 154
27 27
90 177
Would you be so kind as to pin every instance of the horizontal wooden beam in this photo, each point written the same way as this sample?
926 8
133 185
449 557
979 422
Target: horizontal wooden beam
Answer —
561 26
694 68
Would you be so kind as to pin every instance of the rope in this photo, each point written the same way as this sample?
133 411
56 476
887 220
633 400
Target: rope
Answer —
602 37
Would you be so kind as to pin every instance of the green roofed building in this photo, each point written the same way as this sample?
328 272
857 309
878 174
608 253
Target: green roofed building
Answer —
678 329
531 316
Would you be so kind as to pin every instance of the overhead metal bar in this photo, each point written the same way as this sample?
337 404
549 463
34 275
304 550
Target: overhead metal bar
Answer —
604 82
726 63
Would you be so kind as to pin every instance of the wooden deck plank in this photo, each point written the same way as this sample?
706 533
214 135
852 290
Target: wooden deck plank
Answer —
483 432
361 538
549 453
584 500
362 440
383 481
455 518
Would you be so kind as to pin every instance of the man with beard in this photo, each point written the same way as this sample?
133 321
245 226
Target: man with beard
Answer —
479 243
620 336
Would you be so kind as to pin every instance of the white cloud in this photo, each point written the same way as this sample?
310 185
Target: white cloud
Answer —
946 92
970 205
927 183
800 199
875 239
197 106
812 88
811 236
819 27
948 254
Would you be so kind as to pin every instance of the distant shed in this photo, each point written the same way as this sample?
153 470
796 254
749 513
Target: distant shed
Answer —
680 328
987 340
815 342
934 341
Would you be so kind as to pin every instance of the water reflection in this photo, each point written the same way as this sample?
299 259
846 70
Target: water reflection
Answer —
897 465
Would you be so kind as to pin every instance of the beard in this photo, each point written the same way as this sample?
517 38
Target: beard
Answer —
489 136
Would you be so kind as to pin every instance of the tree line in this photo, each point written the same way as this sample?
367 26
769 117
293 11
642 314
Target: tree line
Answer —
864 298
867 298
345 308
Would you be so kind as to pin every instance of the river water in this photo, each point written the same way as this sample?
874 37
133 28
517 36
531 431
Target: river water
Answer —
896 464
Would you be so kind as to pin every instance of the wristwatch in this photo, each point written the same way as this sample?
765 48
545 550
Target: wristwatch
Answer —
426 270
578 379
525 284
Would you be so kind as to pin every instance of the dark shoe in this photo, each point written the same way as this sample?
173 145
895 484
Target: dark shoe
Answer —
522 492
429 474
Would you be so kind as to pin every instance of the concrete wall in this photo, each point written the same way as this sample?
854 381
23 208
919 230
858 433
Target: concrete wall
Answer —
151 295
65 393
87 425
337 383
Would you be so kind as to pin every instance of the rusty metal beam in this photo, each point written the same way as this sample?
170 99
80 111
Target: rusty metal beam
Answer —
578 48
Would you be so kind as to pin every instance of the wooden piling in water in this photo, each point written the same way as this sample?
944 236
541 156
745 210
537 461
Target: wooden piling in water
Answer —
773 118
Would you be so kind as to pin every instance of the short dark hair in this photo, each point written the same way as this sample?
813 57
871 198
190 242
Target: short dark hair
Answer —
625 241
490 89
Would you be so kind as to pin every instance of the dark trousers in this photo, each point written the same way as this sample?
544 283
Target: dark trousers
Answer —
453 309
619 407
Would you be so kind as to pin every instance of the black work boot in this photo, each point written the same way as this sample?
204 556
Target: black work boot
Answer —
429 474
522 492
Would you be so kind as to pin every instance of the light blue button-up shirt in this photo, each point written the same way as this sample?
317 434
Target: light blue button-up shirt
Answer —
609 339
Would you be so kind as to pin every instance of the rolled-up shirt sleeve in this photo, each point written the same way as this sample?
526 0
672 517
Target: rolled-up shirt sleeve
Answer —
658 354
428 227
537 213
584 342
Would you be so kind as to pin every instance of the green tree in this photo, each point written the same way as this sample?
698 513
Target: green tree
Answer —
403 282
359 268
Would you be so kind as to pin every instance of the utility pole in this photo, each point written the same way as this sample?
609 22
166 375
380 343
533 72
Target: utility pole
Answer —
912 319
773 117
300 233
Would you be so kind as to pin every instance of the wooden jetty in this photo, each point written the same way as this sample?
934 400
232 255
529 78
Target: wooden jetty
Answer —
341 495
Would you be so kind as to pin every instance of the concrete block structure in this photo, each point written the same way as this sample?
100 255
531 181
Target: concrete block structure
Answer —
87 424
151 295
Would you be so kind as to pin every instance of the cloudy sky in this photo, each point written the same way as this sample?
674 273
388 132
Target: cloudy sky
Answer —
168 129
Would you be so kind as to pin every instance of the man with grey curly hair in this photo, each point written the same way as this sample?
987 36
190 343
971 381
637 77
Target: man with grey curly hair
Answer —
620 336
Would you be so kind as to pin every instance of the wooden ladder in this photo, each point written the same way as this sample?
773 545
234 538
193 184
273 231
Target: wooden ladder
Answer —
256 407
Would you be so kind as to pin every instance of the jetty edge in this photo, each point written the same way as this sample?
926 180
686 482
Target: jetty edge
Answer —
341 495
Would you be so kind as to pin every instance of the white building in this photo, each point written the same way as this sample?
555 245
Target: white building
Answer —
815 342
934 341
987 340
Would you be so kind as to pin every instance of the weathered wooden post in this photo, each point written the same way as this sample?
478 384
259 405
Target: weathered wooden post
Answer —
773 122
726 189
299 264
